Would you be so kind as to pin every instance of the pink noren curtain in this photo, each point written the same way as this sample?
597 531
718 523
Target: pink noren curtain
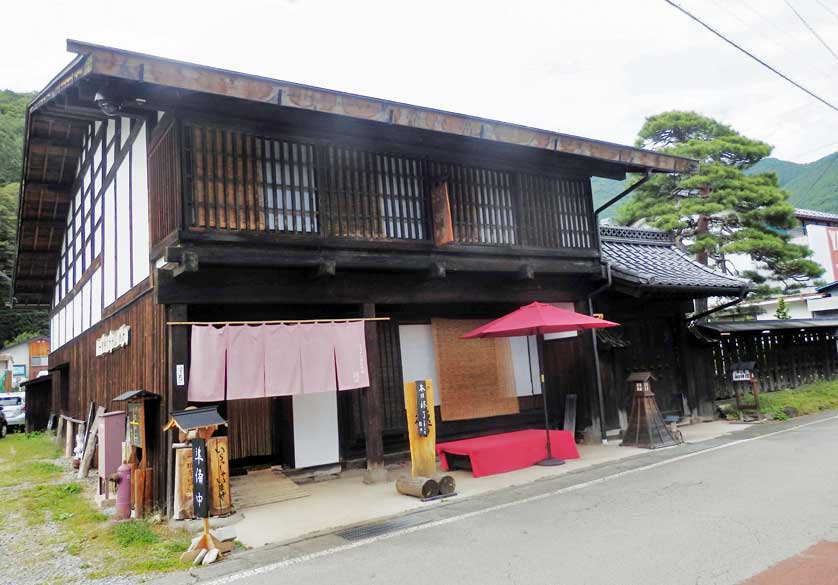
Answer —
245 362
208 359
351 355
283 366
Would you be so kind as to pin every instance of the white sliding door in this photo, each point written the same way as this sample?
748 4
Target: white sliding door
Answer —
315 429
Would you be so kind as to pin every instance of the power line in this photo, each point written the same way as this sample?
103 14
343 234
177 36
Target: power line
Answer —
811 29
752 56
827 8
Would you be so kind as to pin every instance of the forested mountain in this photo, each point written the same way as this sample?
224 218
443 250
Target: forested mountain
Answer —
13 322
811 185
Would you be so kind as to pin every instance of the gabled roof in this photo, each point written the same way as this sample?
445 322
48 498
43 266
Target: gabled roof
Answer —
61 113
650 260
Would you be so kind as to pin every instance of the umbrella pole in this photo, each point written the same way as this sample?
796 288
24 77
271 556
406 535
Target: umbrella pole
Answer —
550 460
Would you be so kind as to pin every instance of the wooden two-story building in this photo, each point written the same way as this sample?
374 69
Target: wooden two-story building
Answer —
157 192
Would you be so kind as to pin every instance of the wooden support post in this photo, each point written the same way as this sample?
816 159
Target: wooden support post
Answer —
69 437
89 446
59 429
177 356
372 432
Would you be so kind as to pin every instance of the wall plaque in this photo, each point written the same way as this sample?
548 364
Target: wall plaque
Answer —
113 340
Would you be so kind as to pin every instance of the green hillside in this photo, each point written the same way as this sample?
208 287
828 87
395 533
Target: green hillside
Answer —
605 189
812 185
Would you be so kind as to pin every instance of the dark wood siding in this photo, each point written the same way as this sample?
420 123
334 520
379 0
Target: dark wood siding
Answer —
140 365
785 359
242 180
164 186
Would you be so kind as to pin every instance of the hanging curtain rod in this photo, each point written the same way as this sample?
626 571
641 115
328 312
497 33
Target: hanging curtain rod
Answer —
293 321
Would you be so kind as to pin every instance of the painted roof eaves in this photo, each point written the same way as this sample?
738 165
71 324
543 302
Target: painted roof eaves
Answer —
108 61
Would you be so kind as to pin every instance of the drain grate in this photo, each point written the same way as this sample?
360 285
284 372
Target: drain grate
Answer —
372 530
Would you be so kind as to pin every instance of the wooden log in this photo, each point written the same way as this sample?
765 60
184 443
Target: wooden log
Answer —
446 483
419 487
90 444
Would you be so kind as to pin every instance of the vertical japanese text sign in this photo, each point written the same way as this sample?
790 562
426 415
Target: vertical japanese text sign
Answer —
200 483
422 417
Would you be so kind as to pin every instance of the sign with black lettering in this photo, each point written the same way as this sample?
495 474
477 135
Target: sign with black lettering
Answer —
200 481
423 420
741 375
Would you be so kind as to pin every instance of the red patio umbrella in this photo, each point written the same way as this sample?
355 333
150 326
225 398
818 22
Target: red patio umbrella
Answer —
539 319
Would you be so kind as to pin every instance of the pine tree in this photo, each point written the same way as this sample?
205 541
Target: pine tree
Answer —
720 210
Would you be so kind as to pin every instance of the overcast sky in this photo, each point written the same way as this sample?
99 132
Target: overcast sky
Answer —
594 68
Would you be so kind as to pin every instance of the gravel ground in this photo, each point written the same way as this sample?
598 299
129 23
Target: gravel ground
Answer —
35 555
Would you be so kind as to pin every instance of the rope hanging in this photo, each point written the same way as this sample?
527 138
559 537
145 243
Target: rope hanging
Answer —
283 322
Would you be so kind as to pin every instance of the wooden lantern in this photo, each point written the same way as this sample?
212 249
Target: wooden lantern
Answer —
646 428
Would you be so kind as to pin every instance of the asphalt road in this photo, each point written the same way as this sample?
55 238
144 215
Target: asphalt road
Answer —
715 517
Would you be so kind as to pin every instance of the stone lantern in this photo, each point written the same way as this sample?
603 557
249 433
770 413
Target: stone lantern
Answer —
646 427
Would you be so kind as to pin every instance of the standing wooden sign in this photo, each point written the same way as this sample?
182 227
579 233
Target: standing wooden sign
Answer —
200 483
423 420
422 446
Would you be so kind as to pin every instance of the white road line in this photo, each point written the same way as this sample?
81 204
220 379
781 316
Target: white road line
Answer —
352 545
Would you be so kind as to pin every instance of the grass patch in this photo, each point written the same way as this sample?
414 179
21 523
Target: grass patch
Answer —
18 447
131 547
806 399
104 547
28 472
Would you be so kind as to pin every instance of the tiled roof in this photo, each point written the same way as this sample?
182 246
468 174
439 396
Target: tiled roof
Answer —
812 214
650 259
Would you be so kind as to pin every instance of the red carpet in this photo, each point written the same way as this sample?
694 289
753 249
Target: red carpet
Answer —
508 451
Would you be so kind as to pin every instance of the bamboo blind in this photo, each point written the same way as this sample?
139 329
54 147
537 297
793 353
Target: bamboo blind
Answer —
475 375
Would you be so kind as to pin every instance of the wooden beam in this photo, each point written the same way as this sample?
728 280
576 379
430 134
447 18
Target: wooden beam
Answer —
54 224
53 147
373 407
326 268
215 285
384 258
437 270
526 272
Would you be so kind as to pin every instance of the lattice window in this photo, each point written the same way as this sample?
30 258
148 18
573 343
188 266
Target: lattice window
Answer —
482 209
556 213
243 181
375 196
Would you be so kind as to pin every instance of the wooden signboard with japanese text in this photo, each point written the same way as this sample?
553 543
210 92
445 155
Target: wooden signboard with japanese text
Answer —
200 483
221 502
218 468
421 427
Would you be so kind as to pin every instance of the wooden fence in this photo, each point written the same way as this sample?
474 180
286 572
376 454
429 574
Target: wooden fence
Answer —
785 359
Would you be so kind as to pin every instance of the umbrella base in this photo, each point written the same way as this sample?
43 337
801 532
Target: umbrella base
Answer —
550 462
